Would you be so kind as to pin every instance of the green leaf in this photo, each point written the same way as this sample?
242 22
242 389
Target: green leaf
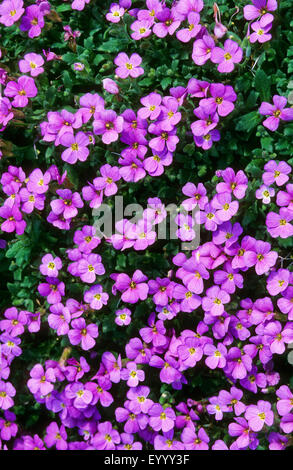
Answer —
248 122
262 85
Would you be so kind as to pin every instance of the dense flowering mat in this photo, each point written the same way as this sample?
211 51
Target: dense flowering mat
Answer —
171 329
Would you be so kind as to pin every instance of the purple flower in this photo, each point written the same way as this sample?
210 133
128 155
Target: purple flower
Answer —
83 333
14 322
7 391
276 112
202 49
161 418
32 21
50 266
110 86
32 63
195 441
276 173
14 221
207 120
261 30
168 22
259 415
67 204
59 319
285 402
106 437
41 381
233 183
276 338
109 125
265 193
56 436
128 66
115 14
11 11
133 289
215 300
8 428
123 317
77 147
278 225
184 35
222 98
86 239
262 258
227 57
96 297
216 356
132 374
259 8
278 281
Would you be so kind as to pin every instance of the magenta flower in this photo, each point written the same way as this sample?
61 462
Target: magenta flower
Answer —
123 317
215 300
56 436
227 57
285 198
161 418
260 8
133 289
11 11
276 112
8 428
106 437
222 98
59 319
265 193
20 91
276 338
53 289
141 29
278 281
226 208
132 374
285 402
202 49
128 66
151 106
206 141
168 22
77 147
50 266
115 14
109 125
32 63
195 441
278 225
238 364
68 203
14 322
261 30
259 415
285 304
6 113
41 381
192 30
83 333
233 183
86 239
96 297
7 391
89 267
242 430
262 258
32 21
14 221
276 172
110 86
207 120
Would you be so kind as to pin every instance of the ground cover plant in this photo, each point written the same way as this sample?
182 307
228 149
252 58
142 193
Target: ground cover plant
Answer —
174 330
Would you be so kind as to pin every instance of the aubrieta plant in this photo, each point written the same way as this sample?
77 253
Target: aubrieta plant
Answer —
173 330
